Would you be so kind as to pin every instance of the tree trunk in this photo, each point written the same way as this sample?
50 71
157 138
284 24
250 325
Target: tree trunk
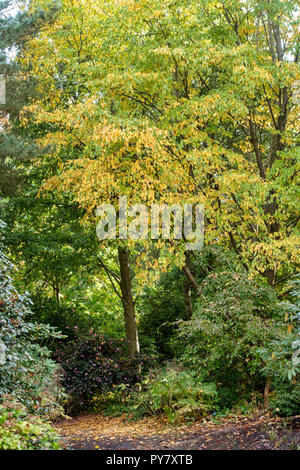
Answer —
187 269
188 299
128 303
56 294
273 227
270 276
188 288
267 393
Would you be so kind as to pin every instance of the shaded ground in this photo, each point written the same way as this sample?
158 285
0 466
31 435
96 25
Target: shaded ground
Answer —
98 432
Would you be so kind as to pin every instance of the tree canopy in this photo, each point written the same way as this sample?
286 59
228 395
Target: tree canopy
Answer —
179 101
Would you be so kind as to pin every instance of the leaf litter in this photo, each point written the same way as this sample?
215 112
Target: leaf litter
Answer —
100 432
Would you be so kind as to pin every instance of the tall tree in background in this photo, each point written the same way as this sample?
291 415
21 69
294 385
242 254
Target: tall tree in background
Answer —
17 24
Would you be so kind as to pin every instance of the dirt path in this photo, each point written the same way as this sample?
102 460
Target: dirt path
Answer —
98 432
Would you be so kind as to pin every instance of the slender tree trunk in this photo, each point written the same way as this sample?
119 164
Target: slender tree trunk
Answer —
188 288
273 228
56 294
188 299
267 393
270 276
187 269
128 303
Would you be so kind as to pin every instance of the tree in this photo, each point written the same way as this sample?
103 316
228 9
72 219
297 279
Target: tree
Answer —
17 24
46 236
196 108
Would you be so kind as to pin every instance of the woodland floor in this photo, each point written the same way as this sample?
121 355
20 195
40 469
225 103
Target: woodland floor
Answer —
259 432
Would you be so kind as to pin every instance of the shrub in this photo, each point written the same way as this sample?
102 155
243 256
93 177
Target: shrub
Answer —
178 394
22 431
27 371
282 361
95 364
285 400
282 357
234 319
181 395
